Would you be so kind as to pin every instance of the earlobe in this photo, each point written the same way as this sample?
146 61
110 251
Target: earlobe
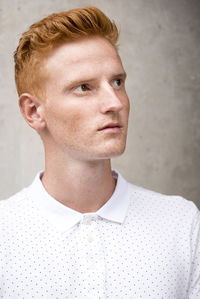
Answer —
31 109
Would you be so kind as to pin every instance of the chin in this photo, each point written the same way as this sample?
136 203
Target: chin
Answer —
112 153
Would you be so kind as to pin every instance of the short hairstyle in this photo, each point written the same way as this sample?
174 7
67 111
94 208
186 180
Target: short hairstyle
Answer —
43 36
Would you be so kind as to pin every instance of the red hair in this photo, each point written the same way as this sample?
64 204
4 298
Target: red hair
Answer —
43 36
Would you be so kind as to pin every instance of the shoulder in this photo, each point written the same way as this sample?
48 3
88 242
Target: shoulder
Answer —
162 207
14 199
14 205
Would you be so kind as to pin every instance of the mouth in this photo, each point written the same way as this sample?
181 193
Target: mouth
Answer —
111 128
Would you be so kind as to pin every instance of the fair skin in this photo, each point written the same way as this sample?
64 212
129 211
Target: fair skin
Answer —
83 122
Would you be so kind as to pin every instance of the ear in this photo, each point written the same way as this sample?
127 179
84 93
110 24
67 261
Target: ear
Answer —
32 111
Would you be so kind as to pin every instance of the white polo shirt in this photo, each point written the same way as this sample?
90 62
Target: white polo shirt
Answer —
140 244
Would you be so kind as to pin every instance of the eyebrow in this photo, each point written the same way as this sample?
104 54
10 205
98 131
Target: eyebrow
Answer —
122 75
80 81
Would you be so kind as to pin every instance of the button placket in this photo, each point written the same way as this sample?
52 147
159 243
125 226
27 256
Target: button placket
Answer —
89 227
92 255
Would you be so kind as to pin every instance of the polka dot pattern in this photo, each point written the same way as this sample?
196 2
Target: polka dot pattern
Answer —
154 253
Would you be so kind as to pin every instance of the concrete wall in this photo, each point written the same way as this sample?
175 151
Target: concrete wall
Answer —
160 47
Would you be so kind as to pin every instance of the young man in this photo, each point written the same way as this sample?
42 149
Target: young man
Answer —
80 230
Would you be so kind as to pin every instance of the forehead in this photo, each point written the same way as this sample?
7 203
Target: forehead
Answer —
84 56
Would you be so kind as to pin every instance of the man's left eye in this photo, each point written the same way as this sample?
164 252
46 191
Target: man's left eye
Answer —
117 82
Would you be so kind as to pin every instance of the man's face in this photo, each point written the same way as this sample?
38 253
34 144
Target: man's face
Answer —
86 109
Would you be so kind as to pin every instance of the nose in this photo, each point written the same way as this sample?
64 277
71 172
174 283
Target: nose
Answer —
110 99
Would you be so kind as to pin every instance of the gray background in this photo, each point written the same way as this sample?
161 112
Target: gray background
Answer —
160 48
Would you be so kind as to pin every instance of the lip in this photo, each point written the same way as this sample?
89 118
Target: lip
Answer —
111 128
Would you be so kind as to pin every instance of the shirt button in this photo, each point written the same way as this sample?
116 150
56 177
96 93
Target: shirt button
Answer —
88 221
90 238
92 267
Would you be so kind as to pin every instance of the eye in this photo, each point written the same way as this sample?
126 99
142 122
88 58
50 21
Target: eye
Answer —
117 83
82 88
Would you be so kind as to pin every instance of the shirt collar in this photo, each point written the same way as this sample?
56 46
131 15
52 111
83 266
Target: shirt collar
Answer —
115 209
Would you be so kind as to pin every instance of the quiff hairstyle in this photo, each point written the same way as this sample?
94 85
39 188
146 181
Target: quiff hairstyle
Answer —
43 36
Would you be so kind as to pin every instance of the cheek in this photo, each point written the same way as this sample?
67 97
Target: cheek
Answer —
62 116
74 122
127 106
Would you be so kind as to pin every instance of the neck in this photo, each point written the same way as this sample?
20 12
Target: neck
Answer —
84 186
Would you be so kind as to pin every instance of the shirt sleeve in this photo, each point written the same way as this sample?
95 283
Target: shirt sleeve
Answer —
194 282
